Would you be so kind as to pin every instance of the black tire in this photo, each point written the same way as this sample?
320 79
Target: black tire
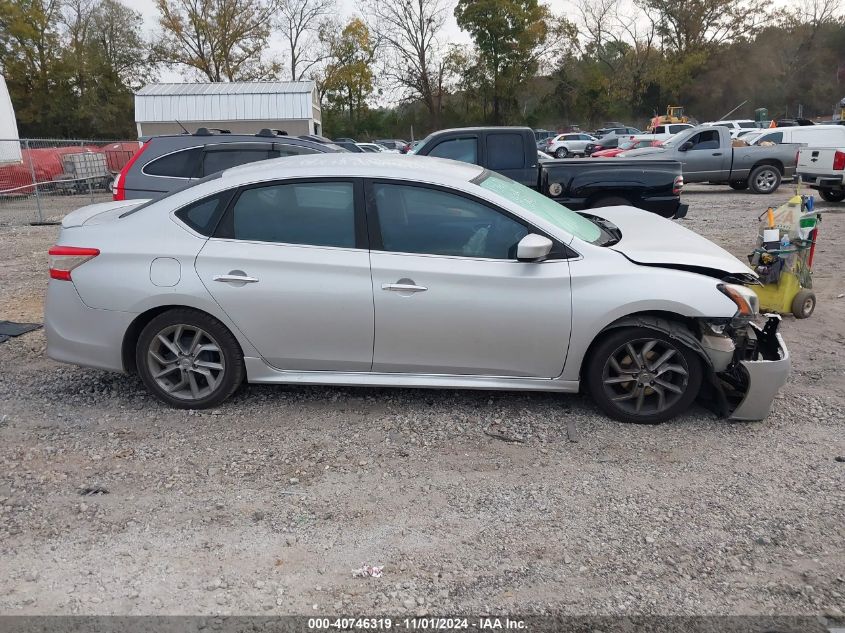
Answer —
610 201
738 185
764 179
804 304
600 370
832 196
151 353
561 152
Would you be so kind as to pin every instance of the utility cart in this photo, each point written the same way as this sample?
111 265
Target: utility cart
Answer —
783 258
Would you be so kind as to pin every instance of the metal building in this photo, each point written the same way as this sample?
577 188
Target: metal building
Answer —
240 107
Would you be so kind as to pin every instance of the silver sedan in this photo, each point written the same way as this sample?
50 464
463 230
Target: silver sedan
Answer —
406 271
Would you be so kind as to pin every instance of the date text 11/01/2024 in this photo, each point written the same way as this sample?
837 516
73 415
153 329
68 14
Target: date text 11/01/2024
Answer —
417 624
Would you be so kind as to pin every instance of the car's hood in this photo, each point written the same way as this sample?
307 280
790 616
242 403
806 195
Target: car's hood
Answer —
652 240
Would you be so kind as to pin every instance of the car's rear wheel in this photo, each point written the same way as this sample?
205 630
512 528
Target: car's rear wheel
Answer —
643 376
188 359
831 195
738 185
764 179
561 152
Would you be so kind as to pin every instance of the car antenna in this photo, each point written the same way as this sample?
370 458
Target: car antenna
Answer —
184 129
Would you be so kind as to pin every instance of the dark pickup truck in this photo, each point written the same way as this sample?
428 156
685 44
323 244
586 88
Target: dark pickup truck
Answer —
653 185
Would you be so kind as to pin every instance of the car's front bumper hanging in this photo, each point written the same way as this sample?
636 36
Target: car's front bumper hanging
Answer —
755 379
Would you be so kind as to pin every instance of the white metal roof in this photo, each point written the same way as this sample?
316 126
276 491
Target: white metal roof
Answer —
236 101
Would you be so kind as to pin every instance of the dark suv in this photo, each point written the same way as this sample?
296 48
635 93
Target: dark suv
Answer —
166 162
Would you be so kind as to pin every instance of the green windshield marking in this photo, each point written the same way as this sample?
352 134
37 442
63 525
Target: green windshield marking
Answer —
540 205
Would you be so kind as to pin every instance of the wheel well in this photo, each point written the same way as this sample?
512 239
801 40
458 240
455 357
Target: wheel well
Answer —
130 338
651 318
768 161
597 197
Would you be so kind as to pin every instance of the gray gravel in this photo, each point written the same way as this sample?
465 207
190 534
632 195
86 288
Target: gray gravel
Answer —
267 504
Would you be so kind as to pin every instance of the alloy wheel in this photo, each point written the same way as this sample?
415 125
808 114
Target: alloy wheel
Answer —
186 362
765 180
645 376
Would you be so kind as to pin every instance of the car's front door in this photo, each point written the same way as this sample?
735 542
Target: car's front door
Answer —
288 263
450 296
705 159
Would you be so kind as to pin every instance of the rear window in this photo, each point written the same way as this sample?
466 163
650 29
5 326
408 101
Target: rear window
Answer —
504 151
220 159
181 164
203 215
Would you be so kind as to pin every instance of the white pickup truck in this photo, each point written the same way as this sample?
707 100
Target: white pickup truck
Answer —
823 168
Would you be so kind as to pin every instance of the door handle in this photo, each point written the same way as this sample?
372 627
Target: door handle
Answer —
717 153
404 287
242 279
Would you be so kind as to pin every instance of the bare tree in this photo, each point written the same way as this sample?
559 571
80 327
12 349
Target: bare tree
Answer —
221 39
409 32
300 22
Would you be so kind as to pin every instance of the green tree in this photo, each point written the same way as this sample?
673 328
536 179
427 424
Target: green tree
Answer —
346 81
221 40
510 36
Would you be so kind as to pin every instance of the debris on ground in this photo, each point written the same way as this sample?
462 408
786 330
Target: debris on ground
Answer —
90 491
367 571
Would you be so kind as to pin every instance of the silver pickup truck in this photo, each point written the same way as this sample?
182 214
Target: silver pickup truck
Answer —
707 155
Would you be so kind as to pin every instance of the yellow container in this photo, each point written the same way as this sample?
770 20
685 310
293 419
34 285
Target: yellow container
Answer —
778 297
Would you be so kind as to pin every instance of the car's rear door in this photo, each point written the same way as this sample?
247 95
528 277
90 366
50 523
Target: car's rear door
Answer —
450 296
290 266
505 153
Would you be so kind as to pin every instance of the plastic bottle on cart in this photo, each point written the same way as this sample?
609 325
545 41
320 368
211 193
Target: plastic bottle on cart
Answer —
784 242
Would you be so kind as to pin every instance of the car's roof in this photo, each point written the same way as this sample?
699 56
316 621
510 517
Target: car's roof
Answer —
382 165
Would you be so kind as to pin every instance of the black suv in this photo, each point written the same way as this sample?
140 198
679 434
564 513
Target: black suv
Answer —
167 162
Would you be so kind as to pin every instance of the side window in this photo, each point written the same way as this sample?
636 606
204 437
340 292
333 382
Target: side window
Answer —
423 220
314 213
463 149
705 140
660 130
504 151
203 215
182 164
219 159
774 137
296 150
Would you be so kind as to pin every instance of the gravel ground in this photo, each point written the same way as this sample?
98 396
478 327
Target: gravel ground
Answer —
267 504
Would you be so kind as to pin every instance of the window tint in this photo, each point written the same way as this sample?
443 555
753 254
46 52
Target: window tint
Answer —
182 164
295 150
422 220
674 129
203 215
220 159
747 124
463 149
318 214
659 129
705 140
504 151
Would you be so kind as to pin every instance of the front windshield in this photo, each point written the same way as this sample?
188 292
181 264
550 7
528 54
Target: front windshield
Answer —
540 205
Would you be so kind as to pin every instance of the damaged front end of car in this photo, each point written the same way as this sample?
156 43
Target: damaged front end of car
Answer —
749 362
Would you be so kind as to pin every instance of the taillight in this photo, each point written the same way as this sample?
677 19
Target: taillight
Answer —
677 185
64 259
119 190
839 160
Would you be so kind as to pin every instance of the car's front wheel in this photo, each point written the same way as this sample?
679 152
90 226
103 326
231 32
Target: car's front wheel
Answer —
188 359
643 376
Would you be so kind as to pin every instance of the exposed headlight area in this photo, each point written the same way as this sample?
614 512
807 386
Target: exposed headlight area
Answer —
747 302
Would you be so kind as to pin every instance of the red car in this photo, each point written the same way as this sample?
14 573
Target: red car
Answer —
624 146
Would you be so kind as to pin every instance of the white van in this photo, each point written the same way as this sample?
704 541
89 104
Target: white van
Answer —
810 135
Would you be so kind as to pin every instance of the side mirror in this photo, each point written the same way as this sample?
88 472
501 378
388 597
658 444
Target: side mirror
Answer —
533 248
686 146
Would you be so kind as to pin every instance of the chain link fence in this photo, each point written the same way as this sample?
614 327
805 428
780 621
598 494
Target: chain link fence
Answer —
41 180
